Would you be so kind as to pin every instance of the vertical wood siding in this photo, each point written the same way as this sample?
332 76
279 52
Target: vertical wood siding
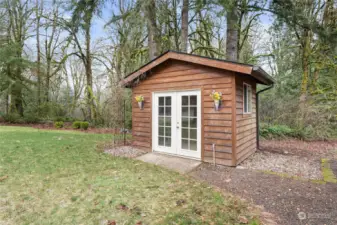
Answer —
175 75
245 123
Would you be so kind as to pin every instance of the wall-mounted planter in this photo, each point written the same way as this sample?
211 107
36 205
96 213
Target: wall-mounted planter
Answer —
141 105
216 105
216 96
140 100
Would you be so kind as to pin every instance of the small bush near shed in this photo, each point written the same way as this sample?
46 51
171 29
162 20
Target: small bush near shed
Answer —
76 125
58 124
84 125
276 131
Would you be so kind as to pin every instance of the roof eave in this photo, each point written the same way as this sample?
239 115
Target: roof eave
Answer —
263 76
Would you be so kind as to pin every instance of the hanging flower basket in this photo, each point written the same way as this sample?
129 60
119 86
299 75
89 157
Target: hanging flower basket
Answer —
216 96
140 100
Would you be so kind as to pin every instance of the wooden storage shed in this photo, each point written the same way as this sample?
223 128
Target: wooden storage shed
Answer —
178 115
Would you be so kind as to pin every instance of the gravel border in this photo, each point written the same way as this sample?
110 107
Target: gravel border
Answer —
125 151
308 168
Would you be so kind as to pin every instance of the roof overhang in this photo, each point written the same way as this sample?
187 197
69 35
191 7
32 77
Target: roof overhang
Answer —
258 73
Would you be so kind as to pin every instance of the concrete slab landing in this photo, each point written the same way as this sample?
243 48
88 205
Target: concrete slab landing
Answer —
181 165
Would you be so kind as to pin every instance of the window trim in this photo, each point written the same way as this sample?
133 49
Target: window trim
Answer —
249 111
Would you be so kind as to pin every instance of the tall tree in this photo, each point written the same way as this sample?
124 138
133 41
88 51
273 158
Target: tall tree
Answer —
82 16
38 13
184 25
232 32
153 37
303 17
18 13
54 47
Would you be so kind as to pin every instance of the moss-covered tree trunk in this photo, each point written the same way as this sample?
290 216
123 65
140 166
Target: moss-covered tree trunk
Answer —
306 49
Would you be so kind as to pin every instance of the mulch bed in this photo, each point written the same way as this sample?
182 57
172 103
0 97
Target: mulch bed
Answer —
292 165
319 149
125 151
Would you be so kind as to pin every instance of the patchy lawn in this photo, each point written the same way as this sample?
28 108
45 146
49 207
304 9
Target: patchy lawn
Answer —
57 177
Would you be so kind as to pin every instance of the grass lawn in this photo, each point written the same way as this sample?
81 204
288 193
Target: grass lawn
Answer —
57 177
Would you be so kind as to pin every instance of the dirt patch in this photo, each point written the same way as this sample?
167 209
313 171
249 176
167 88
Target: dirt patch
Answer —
125 151
320 149
287 198
293 165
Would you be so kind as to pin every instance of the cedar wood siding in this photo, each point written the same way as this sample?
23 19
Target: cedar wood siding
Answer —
245 123
216 126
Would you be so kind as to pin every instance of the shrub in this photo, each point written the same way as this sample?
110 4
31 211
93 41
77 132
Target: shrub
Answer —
51 110
58 124
31 118
84 125
76 125
276 131
13 118
59 119
69 119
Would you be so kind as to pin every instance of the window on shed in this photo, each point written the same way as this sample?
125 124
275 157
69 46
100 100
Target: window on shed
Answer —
247 98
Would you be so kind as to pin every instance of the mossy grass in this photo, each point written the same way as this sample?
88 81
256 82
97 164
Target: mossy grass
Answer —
327 173
57 177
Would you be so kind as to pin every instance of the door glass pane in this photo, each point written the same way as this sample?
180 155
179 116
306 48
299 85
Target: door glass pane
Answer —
164 121
184 100
184 133
193 111
161 131
193 145
189 113
161 121
167 131
161 111
184 121
193 122
184 144
168 101
193 100
167 121
184 111
193 133
161 100
167 111
161 141
168 142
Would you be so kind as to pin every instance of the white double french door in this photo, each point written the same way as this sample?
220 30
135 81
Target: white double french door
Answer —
176 127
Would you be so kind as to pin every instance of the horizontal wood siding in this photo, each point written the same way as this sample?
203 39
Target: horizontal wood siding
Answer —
175 76
245 123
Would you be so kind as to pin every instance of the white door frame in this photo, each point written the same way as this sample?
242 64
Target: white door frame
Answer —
155 123
175 148
189 153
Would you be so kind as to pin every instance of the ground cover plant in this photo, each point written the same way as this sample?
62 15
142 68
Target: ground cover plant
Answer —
57 177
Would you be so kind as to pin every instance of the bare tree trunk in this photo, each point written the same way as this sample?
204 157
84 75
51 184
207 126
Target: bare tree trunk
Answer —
38 61
184 26
88 73
48 71
232 33
152 29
